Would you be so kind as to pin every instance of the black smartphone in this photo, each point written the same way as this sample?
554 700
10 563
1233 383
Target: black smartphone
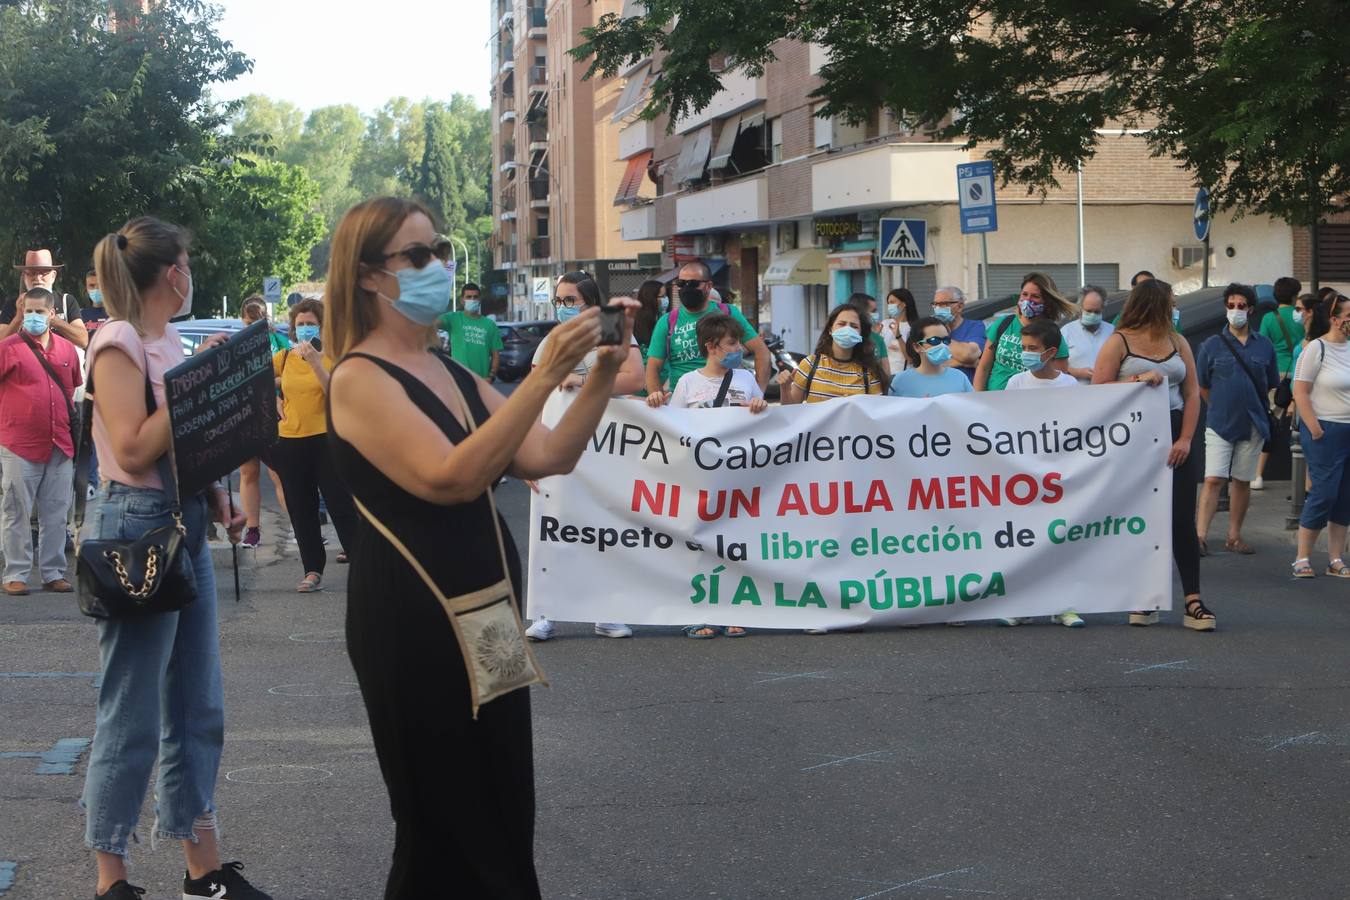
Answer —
611 325
316 344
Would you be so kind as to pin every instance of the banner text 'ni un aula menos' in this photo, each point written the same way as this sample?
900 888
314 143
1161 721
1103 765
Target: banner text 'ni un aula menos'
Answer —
969 506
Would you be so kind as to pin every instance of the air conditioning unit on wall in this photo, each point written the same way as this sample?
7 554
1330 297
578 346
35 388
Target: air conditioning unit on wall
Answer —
706 245
1187 256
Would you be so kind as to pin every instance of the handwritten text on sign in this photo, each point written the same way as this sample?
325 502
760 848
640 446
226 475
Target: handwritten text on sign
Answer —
222 408
972 506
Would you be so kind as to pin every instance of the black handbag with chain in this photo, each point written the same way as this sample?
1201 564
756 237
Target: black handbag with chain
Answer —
127 578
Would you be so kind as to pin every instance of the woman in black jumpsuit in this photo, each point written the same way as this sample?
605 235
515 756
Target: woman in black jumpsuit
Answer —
461 789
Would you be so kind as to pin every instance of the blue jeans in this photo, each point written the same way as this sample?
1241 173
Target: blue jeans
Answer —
1329 468
161 695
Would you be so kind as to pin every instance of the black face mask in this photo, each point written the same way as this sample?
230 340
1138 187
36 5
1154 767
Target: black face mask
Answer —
692 297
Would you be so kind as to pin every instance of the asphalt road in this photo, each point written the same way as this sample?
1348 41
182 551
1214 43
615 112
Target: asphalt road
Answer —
1032 762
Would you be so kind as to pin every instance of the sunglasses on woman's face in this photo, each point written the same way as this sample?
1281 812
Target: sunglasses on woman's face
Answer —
933 341
417 257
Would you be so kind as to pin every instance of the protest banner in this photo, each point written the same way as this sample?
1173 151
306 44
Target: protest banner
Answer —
887 510
222 408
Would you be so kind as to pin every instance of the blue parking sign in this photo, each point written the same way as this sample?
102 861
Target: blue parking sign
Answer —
975 194
904 242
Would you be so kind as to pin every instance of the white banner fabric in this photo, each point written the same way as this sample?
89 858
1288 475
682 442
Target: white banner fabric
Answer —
840 514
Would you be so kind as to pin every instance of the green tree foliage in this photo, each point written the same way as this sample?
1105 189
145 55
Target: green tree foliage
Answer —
1251 95
439 152
100 124
263 218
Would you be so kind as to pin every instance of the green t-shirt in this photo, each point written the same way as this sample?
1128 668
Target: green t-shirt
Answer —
1008 356
279 342
473 339
879 343
685 356
1270 327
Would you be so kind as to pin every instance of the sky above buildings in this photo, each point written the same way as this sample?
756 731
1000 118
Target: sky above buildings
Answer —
315 53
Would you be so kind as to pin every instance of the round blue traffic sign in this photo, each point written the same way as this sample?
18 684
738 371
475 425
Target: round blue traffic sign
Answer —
1201 214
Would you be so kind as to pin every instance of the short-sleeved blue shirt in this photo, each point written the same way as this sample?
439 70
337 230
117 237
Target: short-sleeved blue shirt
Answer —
913 383
1235 404
970 332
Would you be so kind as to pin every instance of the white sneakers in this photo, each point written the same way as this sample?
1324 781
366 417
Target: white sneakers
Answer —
542 630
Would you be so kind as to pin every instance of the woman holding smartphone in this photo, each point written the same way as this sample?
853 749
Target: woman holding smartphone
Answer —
301 453
422 440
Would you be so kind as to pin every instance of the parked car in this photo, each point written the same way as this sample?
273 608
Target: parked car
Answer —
519 342
194 332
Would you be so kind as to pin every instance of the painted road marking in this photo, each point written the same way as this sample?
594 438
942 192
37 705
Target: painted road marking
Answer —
822 675
96 678
861 757
1298 740
278 774
60 760
1175 665
887 888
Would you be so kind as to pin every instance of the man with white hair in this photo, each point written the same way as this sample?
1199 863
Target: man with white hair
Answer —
968 337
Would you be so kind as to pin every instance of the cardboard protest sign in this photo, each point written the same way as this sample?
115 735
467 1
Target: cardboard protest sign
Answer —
222 408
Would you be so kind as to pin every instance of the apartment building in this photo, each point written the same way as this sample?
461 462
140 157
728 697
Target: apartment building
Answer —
556 158
786 204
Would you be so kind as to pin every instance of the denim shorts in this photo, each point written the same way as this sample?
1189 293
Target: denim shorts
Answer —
161 696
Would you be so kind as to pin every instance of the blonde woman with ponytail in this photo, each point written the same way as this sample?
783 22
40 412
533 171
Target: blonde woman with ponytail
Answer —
160 695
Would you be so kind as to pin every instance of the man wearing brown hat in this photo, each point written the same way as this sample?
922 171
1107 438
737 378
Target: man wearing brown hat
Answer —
39 271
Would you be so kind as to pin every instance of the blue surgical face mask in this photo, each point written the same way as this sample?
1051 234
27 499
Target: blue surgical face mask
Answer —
473 306
1032 360
846 338
665 303
566 314
944 313
1092 319
893 310
939 354
733 359
1298 317
306 332
96 297
1176 317
35 323
423 294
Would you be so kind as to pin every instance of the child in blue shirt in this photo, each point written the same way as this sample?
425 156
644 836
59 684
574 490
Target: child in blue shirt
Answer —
930 373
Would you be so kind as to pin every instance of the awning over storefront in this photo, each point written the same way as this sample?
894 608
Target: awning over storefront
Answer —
803 266
632 179
850 260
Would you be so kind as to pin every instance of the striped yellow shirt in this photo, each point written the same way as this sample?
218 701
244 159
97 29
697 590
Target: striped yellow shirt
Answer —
834 379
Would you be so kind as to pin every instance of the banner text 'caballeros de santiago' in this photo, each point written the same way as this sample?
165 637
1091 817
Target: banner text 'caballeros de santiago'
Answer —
963 507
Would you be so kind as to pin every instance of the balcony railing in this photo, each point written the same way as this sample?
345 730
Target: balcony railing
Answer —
539 248
538 133
538 75
509 151
508 253
538 188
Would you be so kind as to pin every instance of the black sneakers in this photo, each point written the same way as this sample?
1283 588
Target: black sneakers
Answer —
225 883
121 891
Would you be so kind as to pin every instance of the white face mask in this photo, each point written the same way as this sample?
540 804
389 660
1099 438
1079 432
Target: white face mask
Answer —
1237 318
185 308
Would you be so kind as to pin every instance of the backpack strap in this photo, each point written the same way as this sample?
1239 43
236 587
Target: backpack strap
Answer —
722 391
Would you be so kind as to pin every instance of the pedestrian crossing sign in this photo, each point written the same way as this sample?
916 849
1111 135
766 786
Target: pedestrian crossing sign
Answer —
904 242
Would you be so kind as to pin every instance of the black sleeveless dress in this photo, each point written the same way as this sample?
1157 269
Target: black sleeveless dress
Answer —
461 791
